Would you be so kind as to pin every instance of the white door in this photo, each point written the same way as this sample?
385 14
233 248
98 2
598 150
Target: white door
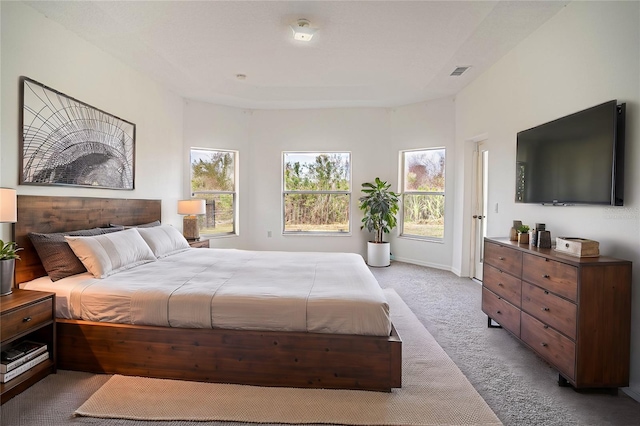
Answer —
479 218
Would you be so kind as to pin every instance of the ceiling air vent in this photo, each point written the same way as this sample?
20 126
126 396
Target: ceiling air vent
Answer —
458 71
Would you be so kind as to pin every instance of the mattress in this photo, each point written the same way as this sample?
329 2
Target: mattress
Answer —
234 289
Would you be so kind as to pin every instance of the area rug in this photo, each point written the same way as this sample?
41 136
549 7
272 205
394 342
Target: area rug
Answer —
434 392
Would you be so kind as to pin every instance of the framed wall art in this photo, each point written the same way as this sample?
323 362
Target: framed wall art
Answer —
67 142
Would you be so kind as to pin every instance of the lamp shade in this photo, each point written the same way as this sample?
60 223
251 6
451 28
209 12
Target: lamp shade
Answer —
8 212
192 207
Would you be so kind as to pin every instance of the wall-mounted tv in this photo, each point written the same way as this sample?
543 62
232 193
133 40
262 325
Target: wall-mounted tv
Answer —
577 159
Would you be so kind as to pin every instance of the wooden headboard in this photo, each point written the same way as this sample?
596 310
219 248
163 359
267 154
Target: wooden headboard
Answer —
46 214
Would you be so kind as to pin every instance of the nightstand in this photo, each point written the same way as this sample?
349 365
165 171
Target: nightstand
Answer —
28 315
199 243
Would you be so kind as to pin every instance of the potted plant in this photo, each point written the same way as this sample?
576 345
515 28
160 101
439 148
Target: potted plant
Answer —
380 206
8 256
523 234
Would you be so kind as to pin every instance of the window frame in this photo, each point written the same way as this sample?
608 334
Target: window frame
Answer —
193 194
404 192
285 192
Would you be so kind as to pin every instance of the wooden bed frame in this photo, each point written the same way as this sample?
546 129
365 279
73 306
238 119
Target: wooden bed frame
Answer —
266 358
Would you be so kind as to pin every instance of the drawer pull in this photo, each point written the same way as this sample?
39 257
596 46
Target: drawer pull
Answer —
500 285
498 312
544 309
500 258
545 276
546 292
545 326
544 344
26 319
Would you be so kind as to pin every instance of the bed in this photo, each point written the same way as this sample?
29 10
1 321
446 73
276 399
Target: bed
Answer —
291 354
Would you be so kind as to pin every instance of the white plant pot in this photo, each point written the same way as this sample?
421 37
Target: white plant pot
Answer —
378 254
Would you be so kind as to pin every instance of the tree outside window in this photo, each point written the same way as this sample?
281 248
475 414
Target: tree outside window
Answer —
316 192
423 193
213 178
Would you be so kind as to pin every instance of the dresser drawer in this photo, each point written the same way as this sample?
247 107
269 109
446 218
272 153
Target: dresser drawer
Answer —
550 345
556 277
503 258
25 318
555 311
503 312
502 284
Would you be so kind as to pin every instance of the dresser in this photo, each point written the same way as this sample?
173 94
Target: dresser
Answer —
573 312
28 315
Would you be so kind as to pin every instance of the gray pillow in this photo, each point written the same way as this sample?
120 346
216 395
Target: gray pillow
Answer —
144 225
55 254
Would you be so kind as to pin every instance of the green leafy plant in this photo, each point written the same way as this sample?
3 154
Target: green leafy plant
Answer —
380 206
8 250
523 229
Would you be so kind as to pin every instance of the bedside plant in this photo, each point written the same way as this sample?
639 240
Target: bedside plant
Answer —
8 256
380 206
8 250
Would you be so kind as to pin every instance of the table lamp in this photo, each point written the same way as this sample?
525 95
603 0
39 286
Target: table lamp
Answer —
191 208
8 214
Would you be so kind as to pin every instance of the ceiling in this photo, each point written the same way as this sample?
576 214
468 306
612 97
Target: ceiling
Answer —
364 53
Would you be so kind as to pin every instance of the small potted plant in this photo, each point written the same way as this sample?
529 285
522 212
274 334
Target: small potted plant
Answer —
523 234
380 206
8 256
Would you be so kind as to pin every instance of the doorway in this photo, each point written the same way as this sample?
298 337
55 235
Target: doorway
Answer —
480 202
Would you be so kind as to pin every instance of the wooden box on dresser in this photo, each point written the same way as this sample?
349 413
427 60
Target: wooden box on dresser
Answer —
573 312
28 315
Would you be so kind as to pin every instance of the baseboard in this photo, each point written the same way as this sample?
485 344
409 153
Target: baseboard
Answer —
420 263
633 393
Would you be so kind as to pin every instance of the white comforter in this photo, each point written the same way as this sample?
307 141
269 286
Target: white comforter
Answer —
237 289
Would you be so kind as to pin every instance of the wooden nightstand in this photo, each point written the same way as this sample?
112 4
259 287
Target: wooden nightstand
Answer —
28 315
199 243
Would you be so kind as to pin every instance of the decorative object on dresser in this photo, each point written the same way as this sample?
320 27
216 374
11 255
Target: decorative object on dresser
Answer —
575 313
26 316
8 256
68 142
579 247
191 208
513 233
523 234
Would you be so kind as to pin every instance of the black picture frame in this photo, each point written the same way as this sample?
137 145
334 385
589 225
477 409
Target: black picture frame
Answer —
70 143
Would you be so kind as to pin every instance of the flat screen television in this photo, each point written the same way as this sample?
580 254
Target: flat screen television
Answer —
577 159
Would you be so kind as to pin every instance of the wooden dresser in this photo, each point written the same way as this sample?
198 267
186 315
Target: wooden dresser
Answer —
573 312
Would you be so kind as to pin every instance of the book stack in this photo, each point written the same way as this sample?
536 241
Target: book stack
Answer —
20 358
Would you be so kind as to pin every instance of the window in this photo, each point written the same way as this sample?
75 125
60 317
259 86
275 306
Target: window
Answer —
423 193
213 178
316 192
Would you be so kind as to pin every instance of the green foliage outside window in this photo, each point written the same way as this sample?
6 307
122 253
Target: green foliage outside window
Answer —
213 179
423 195
316 192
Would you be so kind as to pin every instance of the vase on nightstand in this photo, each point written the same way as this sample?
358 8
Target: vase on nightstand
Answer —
7 267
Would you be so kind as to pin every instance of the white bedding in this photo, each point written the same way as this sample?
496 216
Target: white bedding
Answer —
236 289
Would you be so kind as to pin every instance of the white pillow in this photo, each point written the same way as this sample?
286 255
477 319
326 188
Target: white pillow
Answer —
164 240
104 255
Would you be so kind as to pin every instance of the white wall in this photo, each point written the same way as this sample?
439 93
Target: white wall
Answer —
220 127
374 137
587 54
38 48
428 125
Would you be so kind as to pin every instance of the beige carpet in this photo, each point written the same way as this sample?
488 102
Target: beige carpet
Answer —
434 392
